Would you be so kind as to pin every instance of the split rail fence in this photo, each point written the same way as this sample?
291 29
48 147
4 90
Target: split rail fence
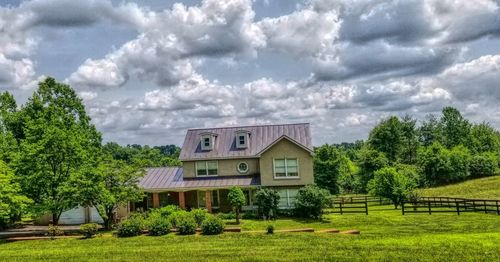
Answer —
359 204
450 205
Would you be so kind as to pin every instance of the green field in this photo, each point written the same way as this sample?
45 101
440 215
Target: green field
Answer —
482 188
385 235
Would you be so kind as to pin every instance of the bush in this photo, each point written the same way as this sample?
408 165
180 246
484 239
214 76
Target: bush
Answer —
132 226
267 201
166 211
483 165
390 183
89 230
173 217
158 225
212 225
185 224
311 200
227 216
54 231
199 215
249 215
270 229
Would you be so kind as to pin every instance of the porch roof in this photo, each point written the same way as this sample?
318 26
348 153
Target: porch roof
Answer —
171 178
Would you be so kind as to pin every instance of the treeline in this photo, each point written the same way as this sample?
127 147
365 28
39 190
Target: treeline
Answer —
52 158
441 150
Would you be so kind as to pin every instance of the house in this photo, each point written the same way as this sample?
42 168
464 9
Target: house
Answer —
216 159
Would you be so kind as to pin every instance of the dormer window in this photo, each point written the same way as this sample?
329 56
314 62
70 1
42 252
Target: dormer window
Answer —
242 139
207 141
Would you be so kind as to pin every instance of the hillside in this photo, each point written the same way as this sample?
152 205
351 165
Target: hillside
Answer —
482 188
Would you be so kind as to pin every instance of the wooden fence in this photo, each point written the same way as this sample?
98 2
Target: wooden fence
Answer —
450 205
358 204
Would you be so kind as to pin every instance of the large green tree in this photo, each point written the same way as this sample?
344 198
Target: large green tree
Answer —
396 186
455 129
113 184
59 145
387 137
12 202
330 165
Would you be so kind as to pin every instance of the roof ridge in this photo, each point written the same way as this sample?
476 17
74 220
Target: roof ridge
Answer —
227 127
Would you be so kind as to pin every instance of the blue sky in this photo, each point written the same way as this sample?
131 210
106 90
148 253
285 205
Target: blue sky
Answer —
148 70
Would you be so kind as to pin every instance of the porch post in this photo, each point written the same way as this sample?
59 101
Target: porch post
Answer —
208 200
156 200
182 200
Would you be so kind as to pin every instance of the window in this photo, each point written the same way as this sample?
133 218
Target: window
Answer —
242 167
206 168
286 167
242 139
287 197
207 142
202 199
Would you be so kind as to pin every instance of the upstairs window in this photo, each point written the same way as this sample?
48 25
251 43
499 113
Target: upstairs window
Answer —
207 142
286 168
242 139
206 168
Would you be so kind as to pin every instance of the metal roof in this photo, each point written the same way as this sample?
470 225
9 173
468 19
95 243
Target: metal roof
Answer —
260 138
171 178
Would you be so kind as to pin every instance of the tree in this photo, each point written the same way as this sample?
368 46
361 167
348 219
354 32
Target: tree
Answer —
12 202
236 199
388 182
387 137
485 164
409 140
59 146
455 129
484 138
113 185
310 202
330 164
429 132
267 200
369 161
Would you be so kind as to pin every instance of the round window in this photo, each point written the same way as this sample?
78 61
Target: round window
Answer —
242 167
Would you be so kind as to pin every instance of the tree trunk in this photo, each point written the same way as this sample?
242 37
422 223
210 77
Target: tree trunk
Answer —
237 215
55 219
109 220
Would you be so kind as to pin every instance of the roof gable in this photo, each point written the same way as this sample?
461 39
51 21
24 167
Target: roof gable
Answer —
260 138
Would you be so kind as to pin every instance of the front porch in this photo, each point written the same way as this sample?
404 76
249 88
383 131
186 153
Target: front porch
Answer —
214 200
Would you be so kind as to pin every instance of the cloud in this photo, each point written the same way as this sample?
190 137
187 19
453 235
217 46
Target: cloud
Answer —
175 42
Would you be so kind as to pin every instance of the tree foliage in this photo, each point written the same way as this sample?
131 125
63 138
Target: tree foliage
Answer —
390 183
331 167
236 199
310 202
12 203
267 200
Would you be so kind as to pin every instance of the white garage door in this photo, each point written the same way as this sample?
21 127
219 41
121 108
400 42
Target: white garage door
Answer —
74 216
94 216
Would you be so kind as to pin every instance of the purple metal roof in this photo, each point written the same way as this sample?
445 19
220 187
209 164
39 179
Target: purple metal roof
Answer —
171 178
225 144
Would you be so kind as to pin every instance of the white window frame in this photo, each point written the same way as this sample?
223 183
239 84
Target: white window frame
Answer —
242 171
288 204
286 168
211 142
206 168
245 136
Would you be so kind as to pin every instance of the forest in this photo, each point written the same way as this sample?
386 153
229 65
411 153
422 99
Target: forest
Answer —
402 154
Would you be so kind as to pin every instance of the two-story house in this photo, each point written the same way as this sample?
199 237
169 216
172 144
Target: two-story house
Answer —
216 159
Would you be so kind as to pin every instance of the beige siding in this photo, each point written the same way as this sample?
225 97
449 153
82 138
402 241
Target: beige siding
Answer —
286 149
226 167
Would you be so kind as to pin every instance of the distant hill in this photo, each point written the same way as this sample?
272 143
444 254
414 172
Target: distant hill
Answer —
481 188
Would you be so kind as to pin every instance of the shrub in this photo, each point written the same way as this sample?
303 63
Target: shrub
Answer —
173 217
310 202
199 215
227 216
212 225
390 183
185 224
166 211
54 231
270 229
132 226
158 226
483 165
267 201
249 215
89 230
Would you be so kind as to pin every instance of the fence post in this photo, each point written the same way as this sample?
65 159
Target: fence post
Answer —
429 204
473 205
366 206
498 209
485 207
458 207
340 204
403 207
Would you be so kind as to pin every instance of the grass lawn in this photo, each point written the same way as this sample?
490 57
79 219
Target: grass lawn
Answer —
482 188
385 235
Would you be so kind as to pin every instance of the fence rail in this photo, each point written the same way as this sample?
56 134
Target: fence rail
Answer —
450 205
358 204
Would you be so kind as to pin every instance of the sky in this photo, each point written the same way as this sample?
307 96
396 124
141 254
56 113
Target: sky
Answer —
149 70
